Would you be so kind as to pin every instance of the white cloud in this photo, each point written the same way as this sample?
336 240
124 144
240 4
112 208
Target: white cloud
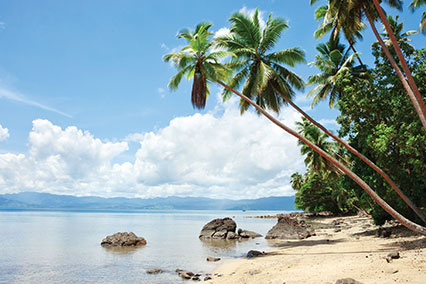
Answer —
15 96
221 32
216 155
4 133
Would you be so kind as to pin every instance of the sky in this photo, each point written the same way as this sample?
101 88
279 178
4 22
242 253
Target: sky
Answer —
85 108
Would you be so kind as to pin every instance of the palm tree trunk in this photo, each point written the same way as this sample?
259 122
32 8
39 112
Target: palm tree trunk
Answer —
416 103
354 51
417 210
404 221
401 57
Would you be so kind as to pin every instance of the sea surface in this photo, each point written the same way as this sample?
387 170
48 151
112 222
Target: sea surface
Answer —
64 246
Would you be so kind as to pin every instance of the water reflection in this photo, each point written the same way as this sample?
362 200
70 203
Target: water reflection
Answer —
120 250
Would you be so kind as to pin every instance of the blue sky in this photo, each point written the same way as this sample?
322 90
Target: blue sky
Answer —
92 72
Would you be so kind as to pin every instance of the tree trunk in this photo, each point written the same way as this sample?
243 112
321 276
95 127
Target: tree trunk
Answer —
416 103
361 156
404 221
401 57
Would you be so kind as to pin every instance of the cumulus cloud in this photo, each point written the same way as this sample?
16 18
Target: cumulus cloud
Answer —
215 155
4 133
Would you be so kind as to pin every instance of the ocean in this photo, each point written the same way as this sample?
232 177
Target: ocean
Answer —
64 246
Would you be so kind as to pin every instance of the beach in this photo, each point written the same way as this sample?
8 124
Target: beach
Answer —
349 250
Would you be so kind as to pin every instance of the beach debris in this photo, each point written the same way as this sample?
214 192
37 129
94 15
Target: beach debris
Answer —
155 271
347 281
123 239
392 255
383 232
290 228
255 253
218 229
211 258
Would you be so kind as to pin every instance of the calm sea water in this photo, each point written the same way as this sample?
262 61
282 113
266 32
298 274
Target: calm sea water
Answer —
64 247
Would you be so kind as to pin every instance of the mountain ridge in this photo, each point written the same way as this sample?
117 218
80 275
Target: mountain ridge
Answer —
36 200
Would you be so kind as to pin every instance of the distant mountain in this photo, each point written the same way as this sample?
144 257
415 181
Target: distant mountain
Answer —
35 200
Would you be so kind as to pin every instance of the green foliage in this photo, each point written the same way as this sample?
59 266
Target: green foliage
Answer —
381 122
259 72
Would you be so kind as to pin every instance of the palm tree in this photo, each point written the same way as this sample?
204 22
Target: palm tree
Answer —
296 181
313 160
262 76
182 61
416 4
401 37
352 11
332 61
261 73
196 61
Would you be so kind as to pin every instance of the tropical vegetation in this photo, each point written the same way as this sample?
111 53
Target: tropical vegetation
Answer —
267 84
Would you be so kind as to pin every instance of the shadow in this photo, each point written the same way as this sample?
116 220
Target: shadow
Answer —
407 245
297 243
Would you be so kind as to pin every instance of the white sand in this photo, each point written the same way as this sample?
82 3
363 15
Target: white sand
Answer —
344 255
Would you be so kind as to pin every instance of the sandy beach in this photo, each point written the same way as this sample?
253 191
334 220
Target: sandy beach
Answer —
351 250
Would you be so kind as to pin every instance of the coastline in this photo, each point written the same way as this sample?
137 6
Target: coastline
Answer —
350 251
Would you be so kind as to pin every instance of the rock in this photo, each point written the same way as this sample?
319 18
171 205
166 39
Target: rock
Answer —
184 274
123 239
232 236
337 230
207 278
394 255
196 278
347 281
155 271
210 258
218 229
255 253
248 234
289 228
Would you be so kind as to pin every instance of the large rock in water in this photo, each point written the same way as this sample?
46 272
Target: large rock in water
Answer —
123 239
218 229
289 228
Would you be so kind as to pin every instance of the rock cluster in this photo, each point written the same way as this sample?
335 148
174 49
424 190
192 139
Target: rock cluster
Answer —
123 239
225 229
290 228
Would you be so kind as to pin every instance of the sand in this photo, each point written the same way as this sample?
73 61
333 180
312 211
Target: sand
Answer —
354 252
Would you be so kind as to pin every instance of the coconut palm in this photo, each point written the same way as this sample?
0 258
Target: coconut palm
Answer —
352 11
296 181
356 9
263 77
314 161
197 62
261 73
415 4
332 61
219 71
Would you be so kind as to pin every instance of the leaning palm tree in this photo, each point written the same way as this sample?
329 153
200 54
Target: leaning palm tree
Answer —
262 76
402 37
182 61
415 4
352 11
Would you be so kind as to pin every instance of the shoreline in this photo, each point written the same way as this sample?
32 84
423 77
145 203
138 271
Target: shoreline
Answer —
349 250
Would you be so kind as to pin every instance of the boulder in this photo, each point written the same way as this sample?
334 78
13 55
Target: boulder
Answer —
123 239
255 253
248 234
290 228
218 229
